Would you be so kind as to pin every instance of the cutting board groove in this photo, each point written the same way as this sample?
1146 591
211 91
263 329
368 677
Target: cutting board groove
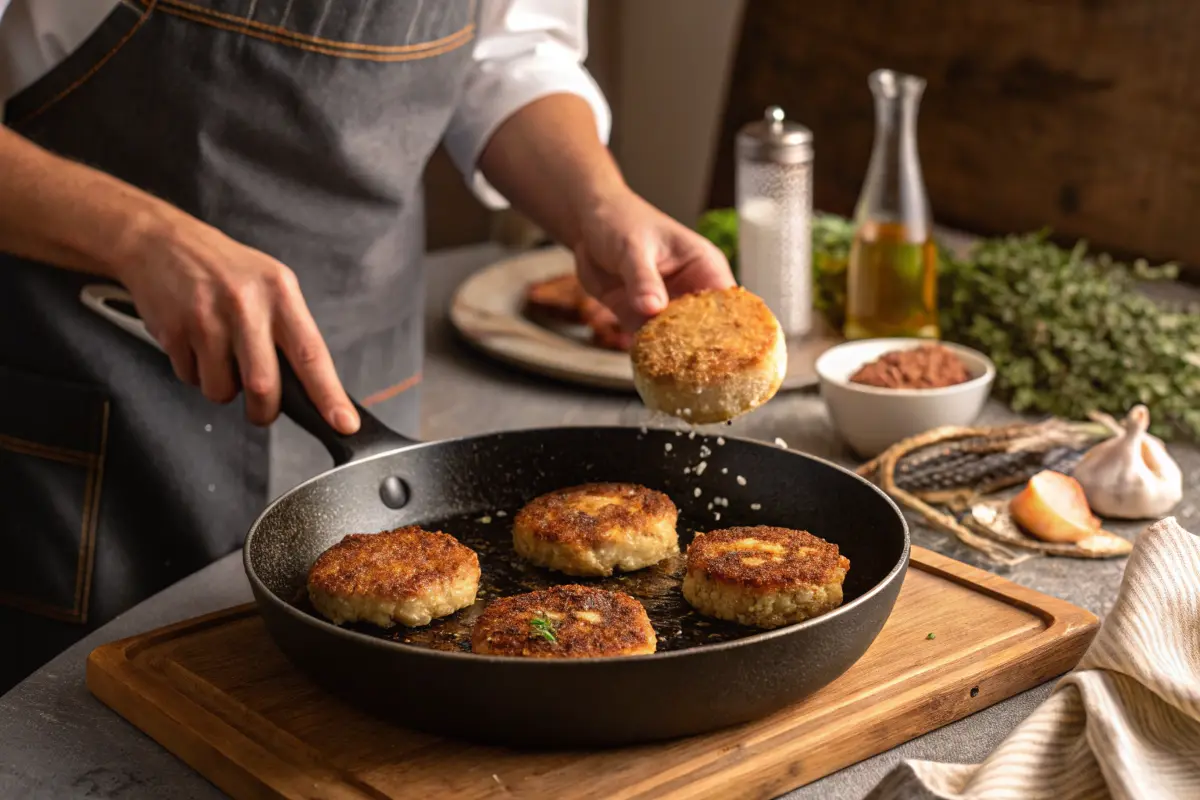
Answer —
216 692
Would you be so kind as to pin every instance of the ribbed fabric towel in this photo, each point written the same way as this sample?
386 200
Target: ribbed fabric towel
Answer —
1125 723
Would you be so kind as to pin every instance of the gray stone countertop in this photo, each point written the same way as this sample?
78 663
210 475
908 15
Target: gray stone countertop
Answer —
57 741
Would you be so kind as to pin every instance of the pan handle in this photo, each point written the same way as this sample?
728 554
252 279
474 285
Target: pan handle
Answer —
115 305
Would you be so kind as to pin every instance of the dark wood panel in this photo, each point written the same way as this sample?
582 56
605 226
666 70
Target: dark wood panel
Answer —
1077 114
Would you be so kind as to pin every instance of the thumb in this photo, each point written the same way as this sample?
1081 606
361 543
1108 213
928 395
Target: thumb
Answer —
643 284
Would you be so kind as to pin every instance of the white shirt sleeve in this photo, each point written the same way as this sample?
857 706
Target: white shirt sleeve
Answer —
523 51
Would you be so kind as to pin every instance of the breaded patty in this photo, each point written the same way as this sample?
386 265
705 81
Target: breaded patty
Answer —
762 576
596 528
564 622
710 356
409 575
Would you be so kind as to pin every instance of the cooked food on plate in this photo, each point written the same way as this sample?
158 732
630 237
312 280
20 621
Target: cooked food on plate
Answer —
562 299
929 366
710 356
763 576
409 575
596 528
564 622
556 298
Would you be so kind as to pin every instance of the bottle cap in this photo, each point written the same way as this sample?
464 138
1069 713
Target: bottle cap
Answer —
774 139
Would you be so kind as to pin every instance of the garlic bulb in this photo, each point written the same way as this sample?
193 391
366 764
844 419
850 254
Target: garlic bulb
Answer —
1130 476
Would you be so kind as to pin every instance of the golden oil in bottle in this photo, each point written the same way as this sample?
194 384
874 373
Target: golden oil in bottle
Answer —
891 284
891 281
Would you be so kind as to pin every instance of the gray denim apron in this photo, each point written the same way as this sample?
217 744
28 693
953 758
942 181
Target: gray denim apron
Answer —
298 127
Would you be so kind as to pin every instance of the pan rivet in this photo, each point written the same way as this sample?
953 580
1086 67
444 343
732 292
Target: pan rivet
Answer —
394 492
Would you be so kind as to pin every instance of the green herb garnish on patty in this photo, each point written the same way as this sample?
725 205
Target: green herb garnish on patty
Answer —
543 626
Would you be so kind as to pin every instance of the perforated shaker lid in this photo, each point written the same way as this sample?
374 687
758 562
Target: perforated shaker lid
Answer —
775 139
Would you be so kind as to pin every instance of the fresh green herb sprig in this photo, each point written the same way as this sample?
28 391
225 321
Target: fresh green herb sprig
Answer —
541 625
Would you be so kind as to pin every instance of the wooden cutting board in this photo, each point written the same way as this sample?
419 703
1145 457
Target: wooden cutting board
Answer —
216 692
487 311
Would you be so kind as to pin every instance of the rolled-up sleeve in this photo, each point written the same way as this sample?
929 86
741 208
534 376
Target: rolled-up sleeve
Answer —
524 50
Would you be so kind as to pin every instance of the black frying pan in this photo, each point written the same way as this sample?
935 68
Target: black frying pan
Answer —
706 675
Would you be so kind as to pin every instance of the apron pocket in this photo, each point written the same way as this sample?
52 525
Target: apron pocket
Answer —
52 441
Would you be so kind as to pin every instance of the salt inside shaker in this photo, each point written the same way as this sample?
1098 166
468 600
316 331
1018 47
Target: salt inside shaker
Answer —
774 207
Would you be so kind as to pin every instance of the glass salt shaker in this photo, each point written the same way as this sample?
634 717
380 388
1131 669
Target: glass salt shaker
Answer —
774 208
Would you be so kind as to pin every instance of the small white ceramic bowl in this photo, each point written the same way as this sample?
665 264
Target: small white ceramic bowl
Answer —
871 419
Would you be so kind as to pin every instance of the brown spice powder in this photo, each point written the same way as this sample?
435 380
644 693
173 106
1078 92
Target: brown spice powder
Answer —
930 366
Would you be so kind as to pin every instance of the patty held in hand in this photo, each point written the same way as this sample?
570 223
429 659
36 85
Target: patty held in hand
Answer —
409 575
596 528
710 356
763 576
564 622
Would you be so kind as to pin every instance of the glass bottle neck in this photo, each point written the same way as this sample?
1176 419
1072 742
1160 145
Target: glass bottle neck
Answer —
894 191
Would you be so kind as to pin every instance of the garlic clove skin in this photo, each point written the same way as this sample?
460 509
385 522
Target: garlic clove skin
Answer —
1131 476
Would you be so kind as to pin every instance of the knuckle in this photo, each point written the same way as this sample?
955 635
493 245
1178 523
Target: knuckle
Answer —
258 384
283 281
307 354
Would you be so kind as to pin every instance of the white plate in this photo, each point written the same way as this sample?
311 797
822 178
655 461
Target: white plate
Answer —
487 312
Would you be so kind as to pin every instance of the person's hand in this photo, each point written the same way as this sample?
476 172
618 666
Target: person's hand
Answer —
633 258
219 309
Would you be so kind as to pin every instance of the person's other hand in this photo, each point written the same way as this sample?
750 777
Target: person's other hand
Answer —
633 258
220 309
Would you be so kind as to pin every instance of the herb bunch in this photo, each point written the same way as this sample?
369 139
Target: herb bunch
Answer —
1068 330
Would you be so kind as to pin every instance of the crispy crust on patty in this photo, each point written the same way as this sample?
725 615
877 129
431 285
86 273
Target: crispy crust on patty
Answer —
763 576
583 622
595 528
715 353
778 558
394 568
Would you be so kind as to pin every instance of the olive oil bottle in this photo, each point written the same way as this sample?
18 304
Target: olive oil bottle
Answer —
891 284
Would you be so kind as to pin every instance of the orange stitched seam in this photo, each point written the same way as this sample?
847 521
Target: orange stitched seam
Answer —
317 40
63 454
392 391
91 520
467 34
95 67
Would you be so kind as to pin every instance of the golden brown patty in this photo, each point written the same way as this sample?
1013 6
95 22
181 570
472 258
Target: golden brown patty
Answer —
710 356
596 528
408 575
564 622
763 576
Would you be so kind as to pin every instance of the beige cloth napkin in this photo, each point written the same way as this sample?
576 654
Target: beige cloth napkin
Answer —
1125 723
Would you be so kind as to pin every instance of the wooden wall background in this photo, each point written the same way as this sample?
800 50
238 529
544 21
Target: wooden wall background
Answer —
1082 115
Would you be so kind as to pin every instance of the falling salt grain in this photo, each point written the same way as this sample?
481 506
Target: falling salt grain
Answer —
501 513
667 447
687 412
692 435
703 465
724 470
720 440
756 506
704 451
643 430
496 778
710 506
717 515
208 428
486 520
741 481
696 492
781 443
679 433
687 470
212 487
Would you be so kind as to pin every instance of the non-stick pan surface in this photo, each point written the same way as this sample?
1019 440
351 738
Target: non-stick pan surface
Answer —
707 675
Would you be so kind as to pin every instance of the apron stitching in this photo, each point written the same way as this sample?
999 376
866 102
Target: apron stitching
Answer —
392 391
465 34
150 4
66 455
171 5
91 520
85 561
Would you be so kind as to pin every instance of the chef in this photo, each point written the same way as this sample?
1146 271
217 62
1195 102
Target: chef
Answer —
250 170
